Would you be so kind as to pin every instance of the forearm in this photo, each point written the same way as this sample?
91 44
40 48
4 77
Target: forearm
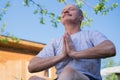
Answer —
103 50
38 64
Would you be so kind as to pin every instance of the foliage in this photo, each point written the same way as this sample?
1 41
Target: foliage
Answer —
111 77
109 62
2 28
5 40
4 9
100 7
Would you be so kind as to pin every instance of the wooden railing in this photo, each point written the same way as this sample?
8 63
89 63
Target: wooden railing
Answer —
111 70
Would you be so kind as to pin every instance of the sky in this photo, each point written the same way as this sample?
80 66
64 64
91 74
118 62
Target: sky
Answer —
22 23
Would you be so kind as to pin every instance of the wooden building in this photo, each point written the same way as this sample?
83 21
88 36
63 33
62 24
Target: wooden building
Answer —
15 57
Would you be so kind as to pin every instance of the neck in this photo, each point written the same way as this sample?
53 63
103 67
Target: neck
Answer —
72 28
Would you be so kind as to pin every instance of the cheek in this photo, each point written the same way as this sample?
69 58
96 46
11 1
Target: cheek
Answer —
74 14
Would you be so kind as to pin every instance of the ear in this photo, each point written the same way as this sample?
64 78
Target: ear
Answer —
81 17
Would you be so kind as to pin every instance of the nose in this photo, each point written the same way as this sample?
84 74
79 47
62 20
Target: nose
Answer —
66 11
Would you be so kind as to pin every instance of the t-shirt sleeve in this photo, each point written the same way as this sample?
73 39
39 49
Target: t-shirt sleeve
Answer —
47 51
97 37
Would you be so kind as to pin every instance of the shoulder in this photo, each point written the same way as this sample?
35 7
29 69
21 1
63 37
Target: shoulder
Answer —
96 37
91 32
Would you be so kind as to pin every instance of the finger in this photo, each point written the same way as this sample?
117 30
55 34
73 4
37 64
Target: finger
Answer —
64 40
68 34
69 40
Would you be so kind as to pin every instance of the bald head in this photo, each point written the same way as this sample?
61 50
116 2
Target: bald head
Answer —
79 10
71 13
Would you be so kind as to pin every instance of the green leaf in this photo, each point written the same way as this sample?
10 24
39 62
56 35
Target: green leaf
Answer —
52 15
15 39
79 3
55 24
26 2
4 24
35 12
82 24
5 40
7 4
84 14
115 5
104 13
61 1
42 20
3 27
43 11
58 19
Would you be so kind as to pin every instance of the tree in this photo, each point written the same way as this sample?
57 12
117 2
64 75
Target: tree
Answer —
3 25
100 7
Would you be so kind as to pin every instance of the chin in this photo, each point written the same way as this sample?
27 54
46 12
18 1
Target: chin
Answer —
67 20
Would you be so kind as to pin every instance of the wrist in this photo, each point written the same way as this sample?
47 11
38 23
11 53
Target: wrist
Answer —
72 54
62 56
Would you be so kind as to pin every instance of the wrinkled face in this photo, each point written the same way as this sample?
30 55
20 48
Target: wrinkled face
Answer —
70 13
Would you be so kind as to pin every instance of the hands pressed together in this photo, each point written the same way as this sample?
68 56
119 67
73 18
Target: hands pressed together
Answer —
68 46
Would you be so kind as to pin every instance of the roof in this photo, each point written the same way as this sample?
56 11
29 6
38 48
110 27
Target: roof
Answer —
22 44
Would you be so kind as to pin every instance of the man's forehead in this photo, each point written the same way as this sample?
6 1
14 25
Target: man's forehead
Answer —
73 6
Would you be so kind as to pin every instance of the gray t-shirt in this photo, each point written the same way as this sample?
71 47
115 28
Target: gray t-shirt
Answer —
82 40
